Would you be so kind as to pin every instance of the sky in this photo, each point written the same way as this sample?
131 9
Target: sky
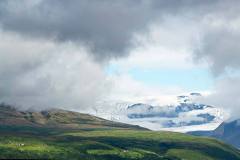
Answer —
72 54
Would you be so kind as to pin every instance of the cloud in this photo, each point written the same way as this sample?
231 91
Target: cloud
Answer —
43 74
107 27
46 45
126 89
167 46
219 46
226 96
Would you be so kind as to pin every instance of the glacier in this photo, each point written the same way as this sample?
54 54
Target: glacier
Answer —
184 116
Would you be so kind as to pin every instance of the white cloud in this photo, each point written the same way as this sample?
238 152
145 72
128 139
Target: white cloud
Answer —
225 95
165 46
41 74
125 88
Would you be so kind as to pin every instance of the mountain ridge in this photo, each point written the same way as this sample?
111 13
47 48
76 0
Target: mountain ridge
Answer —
229 132
56 118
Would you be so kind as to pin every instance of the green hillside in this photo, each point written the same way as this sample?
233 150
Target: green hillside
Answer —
98 139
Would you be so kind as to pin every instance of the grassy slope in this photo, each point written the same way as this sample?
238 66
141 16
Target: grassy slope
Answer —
68 135
112 144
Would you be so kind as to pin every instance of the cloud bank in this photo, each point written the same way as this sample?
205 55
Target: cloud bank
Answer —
53 52
43 74
106 27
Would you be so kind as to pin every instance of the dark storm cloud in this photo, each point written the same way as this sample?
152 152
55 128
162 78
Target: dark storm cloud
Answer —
221 47
220 36
107 27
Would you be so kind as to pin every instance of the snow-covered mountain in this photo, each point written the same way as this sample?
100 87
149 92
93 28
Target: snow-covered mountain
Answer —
183 116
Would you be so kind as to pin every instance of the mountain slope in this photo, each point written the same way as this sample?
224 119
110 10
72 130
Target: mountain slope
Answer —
56 118
60 134
228 132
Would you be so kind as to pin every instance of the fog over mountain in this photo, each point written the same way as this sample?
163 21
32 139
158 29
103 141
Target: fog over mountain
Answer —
55 53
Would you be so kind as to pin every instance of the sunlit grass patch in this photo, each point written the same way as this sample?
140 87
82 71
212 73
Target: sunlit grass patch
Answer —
26 144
